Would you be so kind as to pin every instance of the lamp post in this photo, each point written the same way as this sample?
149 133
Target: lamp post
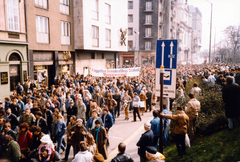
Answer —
210 39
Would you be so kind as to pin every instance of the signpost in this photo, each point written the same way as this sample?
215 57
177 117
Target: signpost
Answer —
166 57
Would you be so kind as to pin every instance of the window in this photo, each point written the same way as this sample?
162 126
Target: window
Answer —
130 4
148 32
130 18
108 38
95 36
148 6
42 29
130 45
130 31
95 10
64 6
147 45
65 33
41 3
148 19
108 13
12 15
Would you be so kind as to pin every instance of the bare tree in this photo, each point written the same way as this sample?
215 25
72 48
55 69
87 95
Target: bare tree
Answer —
232 41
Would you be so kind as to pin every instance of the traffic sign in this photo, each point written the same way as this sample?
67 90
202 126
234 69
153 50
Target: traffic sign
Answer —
166 56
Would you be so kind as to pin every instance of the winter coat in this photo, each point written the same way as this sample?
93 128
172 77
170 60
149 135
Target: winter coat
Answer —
231 98
147 139
12 152
102 141
28 138
111 104
81 111
78 136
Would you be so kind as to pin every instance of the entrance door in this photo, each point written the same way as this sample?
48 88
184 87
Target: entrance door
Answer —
14 76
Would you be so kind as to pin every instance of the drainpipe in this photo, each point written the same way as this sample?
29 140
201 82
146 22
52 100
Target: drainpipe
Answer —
25 9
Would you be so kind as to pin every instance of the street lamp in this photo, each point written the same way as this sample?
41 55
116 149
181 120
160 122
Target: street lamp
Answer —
210 39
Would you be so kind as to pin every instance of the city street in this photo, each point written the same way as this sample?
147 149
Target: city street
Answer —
124 131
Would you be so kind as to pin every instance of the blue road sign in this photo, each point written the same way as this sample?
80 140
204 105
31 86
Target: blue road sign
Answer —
166 54
167 77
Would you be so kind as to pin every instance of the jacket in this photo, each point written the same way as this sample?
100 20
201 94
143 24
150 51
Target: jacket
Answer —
42 124
81 110
127 98
83 156
231 98
181 123
11 133
48 115
90 122
15 109
143 97
147 139
30 119
102 141
108 122
28 138
78 136
99 100
111 104
12 118
72 111
61 131
35 141
12 152
69 127
122 158
155 123
193 107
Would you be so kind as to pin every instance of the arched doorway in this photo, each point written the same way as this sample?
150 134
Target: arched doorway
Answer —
14 70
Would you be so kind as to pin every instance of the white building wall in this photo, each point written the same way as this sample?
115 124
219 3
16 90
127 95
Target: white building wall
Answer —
119 20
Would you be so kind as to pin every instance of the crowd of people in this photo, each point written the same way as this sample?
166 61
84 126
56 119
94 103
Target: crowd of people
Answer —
35 119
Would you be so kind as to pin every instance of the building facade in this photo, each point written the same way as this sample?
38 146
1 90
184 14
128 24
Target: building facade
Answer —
13 45
100 33
50 32
197 32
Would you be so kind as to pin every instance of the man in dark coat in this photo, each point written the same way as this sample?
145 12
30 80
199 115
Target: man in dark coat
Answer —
48 115
12 118
231 98
72 110
117 97
41 122
78 133
149 100
147 139
121 156
15 108
100 137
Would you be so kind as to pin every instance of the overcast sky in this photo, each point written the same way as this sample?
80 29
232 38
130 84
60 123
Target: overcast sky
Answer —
225 13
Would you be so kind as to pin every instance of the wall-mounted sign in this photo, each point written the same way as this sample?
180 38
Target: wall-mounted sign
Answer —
13 70
4 77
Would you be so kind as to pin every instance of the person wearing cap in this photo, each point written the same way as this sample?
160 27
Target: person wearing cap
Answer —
181 121
58 131
154 156
121 156
45 142
83 154
147 139
78 133
72 110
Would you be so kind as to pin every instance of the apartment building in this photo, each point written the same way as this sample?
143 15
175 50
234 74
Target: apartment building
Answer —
13 45
51 39
100 33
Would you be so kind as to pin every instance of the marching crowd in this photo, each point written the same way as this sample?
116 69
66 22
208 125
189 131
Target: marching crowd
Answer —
32 124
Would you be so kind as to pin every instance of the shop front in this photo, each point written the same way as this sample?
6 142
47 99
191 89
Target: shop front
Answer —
126 59
13 67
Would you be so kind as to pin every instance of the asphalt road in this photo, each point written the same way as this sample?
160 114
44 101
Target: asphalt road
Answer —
124 131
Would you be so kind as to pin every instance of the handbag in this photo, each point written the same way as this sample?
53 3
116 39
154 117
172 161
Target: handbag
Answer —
187 141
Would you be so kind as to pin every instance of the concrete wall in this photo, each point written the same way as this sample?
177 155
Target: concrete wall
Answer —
97 63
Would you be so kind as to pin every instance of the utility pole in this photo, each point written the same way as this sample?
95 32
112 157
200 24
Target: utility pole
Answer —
167 20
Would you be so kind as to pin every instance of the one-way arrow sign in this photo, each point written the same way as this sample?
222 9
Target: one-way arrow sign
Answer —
166 54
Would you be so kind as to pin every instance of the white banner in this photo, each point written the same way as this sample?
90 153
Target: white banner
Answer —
115 72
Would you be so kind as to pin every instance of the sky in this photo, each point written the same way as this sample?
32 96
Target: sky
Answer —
225 13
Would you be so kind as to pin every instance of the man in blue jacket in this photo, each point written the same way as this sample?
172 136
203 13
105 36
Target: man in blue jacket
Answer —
107 119
146 139
58 131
